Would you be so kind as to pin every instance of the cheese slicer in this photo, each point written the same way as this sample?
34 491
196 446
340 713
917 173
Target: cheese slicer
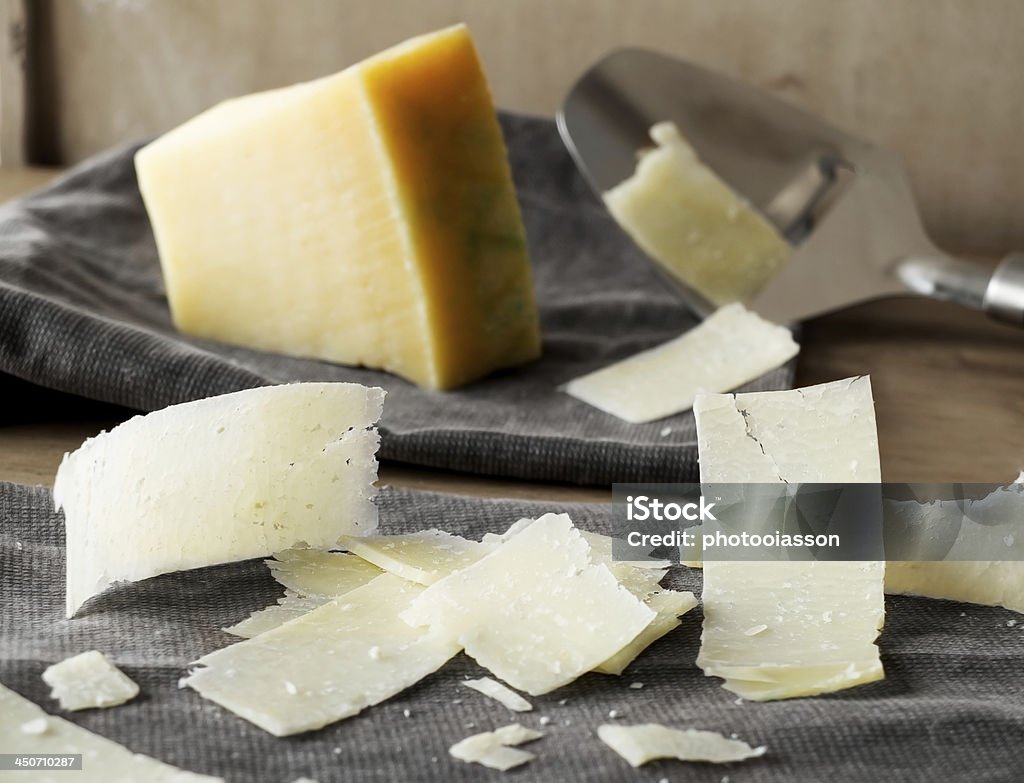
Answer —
843 203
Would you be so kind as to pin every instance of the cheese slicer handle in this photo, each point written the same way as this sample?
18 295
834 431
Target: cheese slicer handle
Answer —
1000 294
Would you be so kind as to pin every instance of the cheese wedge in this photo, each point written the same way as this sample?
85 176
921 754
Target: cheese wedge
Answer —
366 218
776 630
689 221
216 480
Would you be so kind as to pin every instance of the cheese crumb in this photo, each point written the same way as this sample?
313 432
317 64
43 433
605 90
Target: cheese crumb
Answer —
89 680
35 726
499 692
649 741
492 748
636 685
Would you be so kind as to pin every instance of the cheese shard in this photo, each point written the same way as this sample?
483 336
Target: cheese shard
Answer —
366 218
329 664
649 741
982 527
422 557
221 479
317 574
693 224
491 748
732 347
499 692
535 611
89 680
289 607
668 605
102 760
822 617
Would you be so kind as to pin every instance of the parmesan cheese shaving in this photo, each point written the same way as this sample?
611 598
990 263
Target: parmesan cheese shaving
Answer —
649 741
89 680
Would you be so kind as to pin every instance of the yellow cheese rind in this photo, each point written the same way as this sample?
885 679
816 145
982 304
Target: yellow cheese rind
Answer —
366 218
26 729
731 347
689 221
786 629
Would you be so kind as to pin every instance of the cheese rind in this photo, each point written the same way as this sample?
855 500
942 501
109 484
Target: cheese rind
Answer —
649 741
329 664
731 347
689 221
366 218
821 618
89 680
535 611
221 479
102 760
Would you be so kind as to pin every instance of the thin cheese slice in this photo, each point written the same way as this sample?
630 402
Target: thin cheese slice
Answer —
491 748
422 557
290 607
979 528
329 664
103 761
650 741
820 619
688 220
316 574
366 218
535 611
732 347
499 692
89 680
668 605
226 478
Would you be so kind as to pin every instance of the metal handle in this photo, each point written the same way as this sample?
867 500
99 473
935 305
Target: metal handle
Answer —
1000 294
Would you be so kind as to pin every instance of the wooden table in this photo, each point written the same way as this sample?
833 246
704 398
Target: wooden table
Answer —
949 396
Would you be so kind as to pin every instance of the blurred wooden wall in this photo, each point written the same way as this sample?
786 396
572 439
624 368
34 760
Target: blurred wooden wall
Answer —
942 81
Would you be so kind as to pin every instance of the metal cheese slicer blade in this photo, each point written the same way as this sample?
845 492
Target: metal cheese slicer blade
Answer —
843 203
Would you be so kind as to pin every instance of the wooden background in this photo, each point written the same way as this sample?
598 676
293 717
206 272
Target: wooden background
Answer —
941 81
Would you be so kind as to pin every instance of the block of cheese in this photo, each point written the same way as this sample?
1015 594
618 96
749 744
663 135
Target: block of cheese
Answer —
535 611
225 478
316 574
366 218
649 741
693 224
26 730
731 347
422 557
329 664
492 748
89 680
784 629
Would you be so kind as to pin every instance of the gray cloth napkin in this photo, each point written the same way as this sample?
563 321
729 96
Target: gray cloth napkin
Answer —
950 709
82 310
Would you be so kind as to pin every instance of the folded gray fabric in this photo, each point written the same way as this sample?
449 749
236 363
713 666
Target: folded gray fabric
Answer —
950 708
82 309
